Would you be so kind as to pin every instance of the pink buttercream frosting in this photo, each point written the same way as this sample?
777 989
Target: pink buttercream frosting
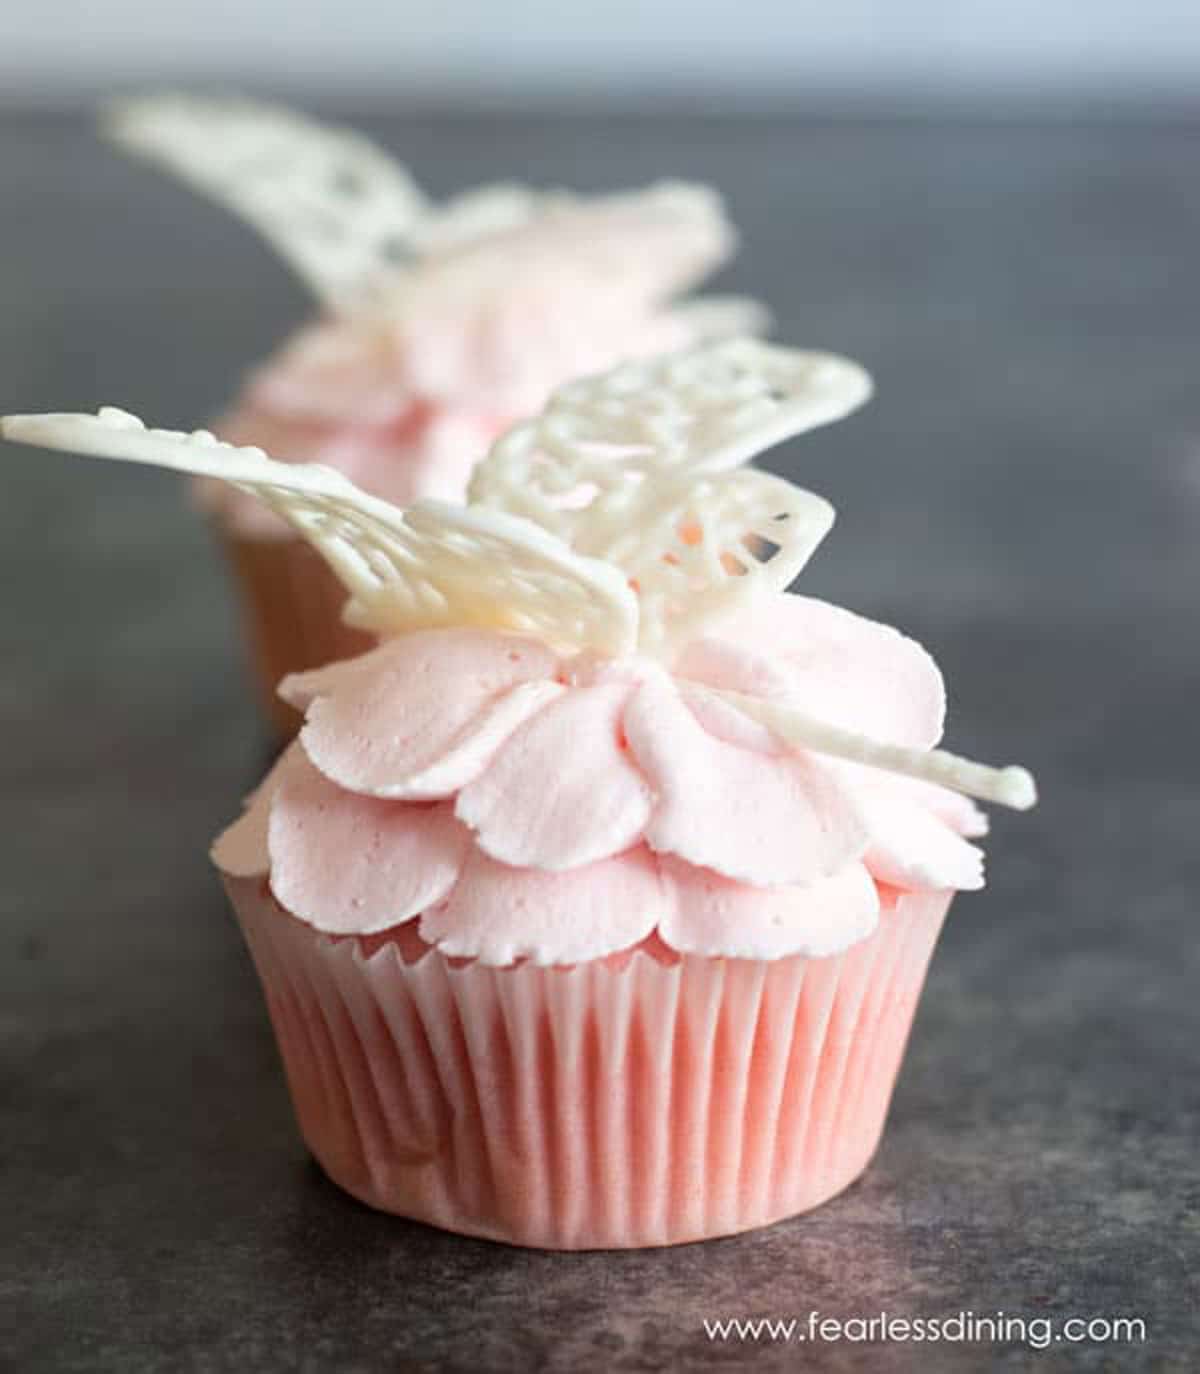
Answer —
407 397
508 803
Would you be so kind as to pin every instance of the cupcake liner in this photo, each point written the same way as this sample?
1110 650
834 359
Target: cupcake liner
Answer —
617 1103
291 614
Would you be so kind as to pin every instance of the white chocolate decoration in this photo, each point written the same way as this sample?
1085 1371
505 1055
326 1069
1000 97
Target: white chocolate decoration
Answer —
430 565
1011 786
352 222
335 206
697 548
647 541
573 468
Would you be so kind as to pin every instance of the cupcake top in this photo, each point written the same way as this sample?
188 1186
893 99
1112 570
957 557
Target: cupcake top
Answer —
596 720
441 323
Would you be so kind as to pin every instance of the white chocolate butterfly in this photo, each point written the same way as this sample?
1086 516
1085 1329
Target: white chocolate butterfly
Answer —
691 549
703 410
354 225
430 565
631 467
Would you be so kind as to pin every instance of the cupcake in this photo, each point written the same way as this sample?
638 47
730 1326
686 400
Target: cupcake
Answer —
440 326
593 902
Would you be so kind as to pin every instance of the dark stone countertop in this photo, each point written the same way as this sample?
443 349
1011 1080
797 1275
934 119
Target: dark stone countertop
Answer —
1024 496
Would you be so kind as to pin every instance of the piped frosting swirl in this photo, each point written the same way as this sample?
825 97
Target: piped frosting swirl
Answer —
522 804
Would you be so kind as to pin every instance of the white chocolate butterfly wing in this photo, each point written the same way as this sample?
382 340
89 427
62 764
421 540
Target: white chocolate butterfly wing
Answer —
696 549
338 208
430 565
466 567
705 410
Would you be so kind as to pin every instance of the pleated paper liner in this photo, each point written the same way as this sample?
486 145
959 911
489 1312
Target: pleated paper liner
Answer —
629 1102
291 605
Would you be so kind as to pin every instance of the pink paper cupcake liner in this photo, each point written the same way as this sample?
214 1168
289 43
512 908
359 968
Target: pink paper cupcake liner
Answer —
292 616
619 1103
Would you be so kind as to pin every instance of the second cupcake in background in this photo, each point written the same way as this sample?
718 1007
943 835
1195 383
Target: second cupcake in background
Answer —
441 325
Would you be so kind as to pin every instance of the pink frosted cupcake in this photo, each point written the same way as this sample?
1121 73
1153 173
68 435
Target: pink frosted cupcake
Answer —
441 326
593 904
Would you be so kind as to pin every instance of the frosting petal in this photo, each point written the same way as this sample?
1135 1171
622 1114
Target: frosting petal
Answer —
910 847
498 914
341 370
713 916
348 864
952 808
240 850
302 689
846 669
761 819
425 715
727 723
562 791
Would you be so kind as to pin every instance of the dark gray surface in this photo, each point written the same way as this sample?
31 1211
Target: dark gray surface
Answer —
1024 496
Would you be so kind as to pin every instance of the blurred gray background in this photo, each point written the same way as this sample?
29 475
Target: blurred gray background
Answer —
647 52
